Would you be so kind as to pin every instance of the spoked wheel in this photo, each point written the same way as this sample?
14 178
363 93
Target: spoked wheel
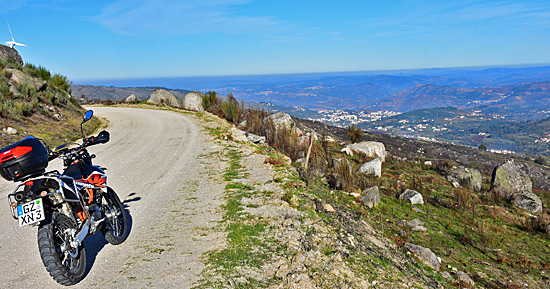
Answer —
65 263
115 227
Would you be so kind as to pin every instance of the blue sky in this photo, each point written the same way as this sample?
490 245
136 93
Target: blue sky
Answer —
89 40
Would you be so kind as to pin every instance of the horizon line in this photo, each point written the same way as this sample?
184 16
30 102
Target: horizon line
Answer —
480 67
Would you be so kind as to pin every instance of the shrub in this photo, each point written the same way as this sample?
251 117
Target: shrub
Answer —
231 109
355 134
60 82
44 73
464 198
208 100
541 161
4 88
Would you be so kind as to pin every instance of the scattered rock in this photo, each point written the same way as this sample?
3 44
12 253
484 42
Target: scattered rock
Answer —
256 138
468 178
373 167
163 97
10 130
193 101
370 197
428 163
282 119
412 196
425 255
371 149
131 99
447 276
7 52
508 179
328 208
416 209
19 77
402 223
416 225
528 201
355 195
463 277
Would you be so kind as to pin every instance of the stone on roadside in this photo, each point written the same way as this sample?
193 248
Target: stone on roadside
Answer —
370 197
508 179
468 178
193 101
370 149
412 196
256 138
164 97
282 119
528 201
463 277
373 167
416 225
328 208
131 99
10 130
425 255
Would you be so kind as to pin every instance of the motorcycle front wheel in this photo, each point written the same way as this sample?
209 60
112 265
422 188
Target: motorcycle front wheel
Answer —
65 263
115 227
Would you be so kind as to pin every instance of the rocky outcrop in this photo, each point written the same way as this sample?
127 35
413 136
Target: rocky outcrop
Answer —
425 255
528 201
373 167
131 99
412 196
370 197
6 52
466 177
509 179
193 101
18 77
282 119
370 149
163 97
256 138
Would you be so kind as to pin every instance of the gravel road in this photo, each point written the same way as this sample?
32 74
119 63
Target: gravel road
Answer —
167 173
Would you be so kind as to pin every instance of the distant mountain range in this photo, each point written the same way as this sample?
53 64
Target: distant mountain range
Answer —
390 90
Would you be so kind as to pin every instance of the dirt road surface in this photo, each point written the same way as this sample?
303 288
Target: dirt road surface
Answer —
167 174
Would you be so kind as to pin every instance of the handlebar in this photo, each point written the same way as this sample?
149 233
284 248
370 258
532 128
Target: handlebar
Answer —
102 137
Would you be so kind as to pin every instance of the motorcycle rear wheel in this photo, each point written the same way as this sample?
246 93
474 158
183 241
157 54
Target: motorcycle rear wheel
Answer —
65 263
115 227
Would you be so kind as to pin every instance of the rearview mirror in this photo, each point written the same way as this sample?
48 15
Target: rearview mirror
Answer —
88 115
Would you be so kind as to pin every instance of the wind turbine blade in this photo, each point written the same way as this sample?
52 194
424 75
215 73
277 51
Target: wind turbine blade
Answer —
20 44
10 31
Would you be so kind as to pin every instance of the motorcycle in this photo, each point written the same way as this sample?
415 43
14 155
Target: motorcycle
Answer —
66 207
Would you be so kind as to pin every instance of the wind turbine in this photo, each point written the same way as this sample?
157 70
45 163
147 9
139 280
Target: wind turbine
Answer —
12 43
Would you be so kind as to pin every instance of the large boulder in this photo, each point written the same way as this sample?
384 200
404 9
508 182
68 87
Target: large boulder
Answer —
163 97
193 101
370 197
509 179
131 99
373 167
7 52
528 201
412 196
19 77
425 255
371 149
282 119
466 177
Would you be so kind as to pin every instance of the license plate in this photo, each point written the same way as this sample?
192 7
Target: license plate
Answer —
31 212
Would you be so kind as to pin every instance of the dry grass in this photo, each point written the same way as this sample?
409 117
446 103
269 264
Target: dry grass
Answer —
355 134
464 198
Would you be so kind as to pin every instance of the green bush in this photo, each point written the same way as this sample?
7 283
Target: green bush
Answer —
231 109
208 100
4 88
60 82
355 134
